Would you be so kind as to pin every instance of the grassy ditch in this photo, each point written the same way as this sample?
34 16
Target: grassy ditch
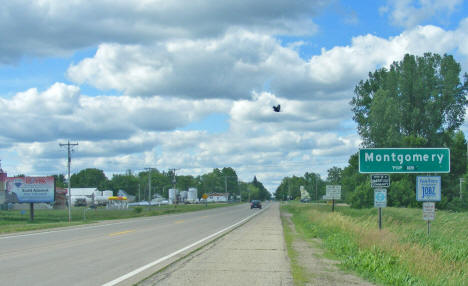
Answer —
17 220
298 272
401 253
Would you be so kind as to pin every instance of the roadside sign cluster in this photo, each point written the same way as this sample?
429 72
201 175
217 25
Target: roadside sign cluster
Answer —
406 160
379 182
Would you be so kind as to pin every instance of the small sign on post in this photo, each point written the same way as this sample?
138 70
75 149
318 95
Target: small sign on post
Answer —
428 188
428 214
333 192
380 198
380 201
428 211
380 181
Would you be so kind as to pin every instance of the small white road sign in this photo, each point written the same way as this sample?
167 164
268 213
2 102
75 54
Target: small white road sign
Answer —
334 192
380 181
428 210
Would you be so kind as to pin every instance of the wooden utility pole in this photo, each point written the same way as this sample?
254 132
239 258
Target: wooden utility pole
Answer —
70 149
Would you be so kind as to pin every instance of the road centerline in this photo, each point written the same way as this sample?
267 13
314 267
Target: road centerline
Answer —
121 232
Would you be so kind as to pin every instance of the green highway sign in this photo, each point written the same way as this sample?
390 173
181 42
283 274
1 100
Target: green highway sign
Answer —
404 160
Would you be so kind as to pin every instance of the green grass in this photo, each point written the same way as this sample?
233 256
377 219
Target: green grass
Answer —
401 253
298 272
16 220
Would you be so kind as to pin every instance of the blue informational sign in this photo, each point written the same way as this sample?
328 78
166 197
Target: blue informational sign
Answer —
428 188
380 198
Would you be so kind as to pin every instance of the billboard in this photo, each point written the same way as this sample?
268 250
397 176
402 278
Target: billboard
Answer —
30 190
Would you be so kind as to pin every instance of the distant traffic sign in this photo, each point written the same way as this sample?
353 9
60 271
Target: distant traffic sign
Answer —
380 181
380 198
333 192
404 160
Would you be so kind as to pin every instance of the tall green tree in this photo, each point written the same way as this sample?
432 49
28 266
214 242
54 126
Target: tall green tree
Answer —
419 100
88 178
230 181
126 182
334 175
60 181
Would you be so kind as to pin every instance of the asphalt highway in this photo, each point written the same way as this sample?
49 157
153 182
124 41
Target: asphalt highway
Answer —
98 254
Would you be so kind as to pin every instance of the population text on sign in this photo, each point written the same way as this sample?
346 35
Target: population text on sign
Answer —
404 160
428 188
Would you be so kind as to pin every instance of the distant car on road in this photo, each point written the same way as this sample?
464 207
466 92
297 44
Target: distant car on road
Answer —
255 204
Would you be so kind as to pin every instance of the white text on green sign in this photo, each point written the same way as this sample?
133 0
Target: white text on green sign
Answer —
404 160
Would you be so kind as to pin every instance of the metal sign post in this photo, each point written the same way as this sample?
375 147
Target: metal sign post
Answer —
428 214
380 218
31 211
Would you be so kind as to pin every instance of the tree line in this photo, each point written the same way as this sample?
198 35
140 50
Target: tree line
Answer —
418 102
217 181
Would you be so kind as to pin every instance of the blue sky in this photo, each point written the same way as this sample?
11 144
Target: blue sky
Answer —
191 86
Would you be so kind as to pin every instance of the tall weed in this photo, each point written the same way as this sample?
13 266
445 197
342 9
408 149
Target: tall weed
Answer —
401 253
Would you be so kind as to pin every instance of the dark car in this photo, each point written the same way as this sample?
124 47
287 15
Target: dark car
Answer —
255 204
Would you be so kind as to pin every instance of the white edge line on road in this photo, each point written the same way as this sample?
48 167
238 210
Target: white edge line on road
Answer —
151 264
81 227
60 230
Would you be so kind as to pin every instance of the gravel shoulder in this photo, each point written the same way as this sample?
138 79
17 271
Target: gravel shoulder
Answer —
310 265
252 254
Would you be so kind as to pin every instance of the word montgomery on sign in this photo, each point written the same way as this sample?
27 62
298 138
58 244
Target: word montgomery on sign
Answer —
404 160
